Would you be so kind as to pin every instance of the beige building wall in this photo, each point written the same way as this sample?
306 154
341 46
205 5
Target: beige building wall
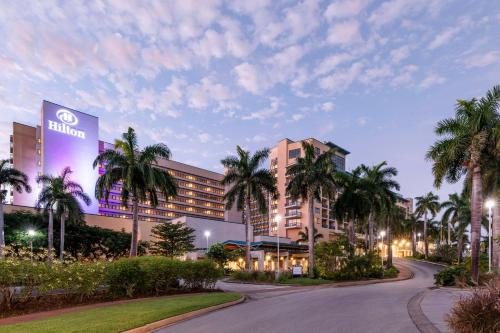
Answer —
294 213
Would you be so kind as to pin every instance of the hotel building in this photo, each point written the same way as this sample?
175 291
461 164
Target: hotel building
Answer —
294 212
68 137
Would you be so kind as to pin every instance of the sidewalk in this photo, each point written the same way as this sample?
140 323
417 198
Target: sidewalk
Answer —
437 303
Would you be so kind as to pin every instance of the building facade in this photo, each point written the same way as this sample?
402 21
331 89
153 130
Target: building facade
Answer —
68 137
294 212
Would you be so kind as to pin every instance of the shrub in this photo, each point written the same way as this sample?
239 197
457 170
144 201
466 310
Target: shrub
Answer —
200 274
479 312
256 276
449 275
125 276
445 254
419 256
391 272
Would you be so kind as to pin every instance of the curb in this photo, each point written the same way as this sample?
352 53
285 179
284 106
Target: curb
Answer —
423 324
185 316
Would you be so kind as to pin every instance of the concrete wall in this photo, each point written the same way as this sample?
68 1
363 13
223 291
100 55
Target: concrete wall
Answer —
219 231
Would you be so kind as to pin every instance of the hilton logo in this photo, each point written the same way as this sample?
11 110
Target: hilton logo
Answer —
67 119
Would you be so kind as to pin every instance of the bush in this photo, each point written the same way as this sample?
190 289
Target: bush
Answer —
391 272
479 312
450 275
445 253
200 274
419 256
255 276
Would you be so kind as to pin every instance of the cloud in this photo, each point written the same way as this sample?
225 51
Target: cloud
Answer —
257 138
327 106
297 116
344 33
443 37
482 59
372 75
405 76
390 11
204 137
202 94
269 112
119 51
430 80
362 121
345 8
341 79
248 78
400 53
331 62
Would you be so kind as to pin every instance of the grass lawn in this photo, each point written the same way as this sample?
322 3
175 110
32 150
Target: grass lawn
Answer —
304 281
121 317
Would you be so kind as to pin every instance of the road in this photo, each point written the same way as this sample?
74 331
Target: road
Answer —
369 308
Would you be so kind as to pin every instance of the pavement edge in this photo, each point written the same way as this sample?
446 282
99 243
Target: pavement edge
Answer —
185 316
423 324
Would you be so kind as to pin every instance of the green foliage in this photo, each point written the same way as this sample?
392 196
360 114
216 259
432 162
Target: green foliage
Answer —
449 275
147 276
81 241
172 239
444 253
256 276
221 256
333 255
479 312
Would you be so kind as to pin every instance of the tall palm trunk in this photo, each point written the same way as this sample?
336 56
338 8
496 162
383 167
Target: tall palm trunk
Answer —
310 235
370 231
413 240
2 237
389 245
50 236
460 246
426 243
248 257
496 234
135 227
476 213
63 231
449 234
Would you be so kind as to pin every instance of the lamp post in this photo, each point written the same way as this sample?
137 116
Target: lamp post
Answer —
382 234
489 204
31 234
207 234
277 219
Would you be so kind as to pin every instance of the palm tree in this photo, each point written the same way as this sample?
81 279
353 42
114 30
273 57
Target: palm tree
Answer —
61 194
17 180
451 212
139 174
412 223
463 150
394 215
304 235
379 186
427 204
311 177
247 183
353 202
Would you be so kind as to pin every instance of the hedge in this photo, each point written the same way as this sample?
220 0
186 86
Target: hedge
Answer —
22 281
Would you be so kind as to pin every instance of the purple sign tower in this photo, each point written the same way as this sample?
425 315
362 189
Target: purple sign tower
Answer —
70 139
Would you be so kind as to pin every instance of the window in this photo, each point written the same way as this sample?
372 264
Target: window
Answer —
339 162
294 153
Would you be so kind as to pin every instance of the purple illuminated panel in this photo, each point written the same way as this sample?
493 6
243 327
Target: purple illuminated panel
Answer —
70 138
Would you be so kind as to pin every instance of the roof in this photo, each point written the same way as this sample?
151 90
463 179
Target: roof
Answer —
268 245
340 149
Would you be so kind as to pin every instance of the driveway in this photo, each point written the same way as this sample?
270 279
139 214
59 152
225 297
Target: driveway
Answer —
369 308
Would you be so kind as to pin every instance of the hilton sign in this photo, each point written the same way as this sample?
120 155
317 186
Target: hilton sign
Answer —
68 119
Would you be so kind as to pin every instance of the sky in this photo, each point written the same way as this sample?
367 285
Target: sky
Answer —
373 77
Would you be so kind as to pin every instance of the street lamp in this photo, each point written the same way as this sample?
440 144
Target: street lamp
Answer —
31 234
489 204
382 234
418 239
277 219
207 234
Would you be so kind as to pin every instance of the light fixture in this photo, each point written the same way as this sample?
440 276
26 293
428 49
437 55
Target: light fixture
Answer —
382 233
31 232
490 203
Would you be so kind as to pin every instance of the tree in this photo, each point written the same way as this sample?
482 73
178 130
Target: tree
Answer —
394 215
451 214
412 222
379 186
172 239
352 202
304 235
61 194
221 256
140 177
248 182
463 149
18 181
427 204
311 177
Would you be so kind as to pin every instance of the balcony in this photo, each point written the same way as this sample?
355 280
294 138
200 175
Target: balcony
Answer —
293 225
293 203
295 213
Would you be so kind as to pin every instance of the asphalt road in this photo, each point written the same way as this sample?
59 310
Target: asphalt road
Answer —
370 308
